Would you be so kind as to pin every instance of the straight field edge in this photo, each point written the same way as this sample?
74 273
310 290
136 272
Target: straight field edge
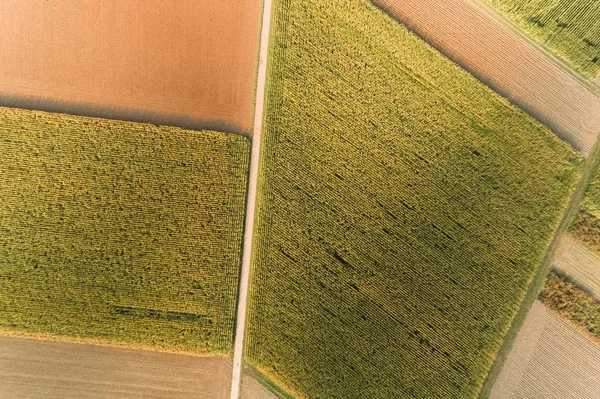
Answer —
266 382
543 270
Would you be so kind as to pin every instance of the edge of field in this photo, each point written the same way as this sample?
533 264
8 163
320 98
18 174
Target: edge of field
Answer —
593 85
267 382
541 274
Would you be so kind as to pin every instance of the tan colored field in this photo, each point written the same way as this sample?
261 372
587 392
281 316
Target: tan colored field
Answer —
549 359
31 368
580 264
505 61
253 390
187 63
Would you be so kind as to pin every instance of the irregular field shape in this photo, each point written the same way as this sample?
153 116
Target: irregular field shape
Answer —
31 368
185 63
120 231
568 28
510 65
405 208
586 227
580 264
549 359
253 390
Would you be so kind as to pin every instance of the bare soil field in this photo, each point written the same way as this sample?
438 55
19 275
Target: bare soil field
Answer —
549 359
580 264
253 390
512 66
186 63
32 368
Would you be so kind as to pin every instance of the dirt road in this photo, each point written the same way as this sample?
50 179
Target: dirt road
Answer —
580 264
32 369
512 66
238 353
187 63
549 359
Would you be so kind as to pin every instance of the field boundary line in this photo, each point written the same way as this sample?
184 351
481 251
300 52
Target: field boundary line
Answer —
539 279
238 352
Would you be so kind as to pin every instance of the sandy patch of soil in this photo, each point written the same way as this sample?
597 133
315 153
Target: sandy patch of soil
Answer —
189 63
32 368
549 359
580 264
512 66
253 390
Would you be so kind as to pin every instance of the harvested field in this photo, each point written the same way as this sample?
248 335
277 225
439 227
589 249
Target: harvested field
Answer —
570 29
507 63
185 63
580 264
391 181
39 369
120 231
549 359
253 390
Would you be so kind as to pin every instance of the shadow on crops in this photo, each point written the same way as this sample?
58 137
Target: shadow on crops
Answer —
120 113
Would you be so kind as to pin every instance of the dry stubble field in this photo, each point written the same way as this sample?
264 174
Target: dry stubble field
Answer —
581 264
184 63
550 359
507 63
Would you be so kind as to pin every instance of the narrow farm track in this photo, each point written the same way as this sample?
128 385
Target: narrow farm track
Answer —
550 359
580 264
238 353
516 68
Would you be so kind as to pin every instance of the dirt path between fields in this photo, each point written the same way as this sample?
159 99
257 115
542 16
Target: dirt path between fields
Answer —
186 63
33 368
580 264
238 352
549 359
501 58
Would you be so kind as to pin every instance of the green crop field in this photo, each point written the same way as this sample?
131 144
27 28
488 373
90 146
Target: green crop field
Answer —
586 226
403 211
120 231
568 28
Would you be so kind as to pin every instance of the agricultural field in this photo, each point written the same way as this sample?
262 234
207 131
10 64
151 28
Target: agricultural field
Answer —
404 208
506 62
573 304
550 359
586 227
580 264
184 63
31 368
120 231
568 28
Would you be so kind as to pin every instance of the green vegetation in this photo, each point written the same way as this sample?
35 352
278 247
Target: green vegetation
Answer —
586 227
568 28
572 303
404 210
120 231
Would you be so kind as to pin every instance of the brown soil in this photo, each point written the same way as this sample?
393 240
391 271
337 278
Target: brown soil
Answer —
580 264
508 63
253 390
184 62
549 359
31 368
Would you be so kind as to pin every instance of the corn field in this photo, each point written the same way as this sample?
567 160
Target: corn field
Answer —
568 28
120 231
404 209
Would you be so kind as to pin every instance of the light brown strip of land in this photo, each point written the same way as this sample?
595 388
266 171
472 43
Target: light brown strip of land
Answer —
253 390
512 66
549 359
580 264
32 369
186 62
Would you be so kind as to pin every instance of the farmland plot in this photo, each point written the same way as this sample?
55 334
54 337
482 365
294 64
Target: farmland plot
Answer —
31 368
568 28
120 231
404 209
184 63
580 264
586 227
549 359
507 63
